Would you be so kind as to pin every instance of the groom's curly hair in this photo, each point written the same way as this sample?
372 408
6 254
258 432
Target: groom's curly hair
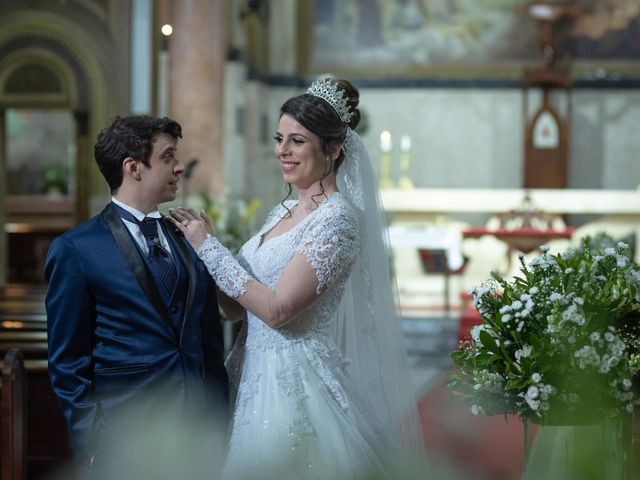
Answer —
133 137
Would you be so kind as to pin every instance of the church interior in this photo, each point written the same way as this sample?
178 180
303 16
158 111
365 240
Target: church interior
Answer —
495 128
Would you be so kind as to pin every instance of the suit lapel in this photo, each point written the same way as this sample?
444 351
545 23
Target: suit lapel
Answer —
188 262
136 263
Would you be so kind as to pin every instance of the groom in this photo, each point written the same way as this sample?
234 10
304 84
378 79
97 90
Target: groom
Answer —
134 332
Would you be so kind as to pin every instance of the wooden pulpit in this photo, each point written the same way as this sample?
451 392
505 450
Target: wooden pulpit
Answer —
547 125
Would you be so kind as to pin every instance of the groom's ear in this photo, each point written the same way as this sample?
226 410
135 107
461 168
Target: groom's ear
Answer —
131 168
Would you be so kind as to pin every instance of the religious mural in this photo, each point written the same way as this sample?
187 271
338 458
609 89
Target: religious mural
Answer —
463 35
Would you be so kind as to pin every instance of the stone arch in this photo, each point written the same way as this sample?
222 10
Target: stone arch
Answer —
71 60
37 76
25 31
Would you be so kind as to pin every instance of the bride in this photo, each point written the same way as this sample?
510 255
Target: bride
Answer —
319 384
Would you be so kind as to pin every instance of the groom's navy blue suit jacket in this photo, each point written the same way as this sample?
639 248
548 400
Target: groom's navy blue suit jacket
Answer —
121 349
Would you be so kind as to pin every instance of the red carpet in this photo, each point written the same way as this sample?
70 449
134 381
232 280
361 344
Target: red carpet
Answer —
476 447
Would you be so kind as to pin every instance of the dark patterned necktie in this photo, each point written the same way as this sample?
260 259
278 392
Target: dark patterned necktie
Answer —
160 261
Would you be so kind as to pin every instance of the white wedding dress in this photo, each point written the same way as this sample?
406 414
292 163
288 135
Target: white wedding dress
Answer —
296 413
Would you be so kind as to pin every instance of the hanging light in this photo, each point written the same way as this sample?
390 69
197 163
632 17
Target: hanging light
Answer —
166 29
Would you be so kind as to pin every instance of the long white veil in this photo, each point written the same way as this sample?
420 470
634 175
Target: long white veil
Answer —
368 328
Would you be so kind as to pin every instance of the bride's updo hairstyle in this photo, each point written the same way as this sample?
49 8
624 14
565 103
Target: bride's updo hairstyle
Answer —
321 118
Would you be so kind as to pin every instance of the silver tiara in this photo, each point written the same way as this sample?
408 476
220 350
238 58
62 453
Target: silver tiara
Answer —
327 89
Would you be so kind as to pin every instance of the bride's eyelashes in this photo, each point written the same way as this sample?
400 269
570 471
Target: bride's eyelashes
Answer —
297 141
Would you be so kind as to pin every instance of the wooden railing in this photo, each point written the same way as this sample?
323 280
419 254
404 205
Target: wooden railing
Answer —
23 327
13 417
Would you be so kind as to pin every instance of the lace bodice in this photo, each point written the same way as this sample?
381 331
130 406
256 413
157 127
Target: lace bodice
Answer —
327 237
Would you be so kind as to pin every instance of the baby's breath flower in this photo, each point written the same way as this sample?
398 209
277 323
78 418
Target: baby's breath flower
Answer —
476 410
571 305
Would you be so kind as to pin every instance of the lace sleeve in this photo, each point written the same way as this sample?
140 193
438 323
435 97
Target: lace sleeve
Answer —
330 245
228 274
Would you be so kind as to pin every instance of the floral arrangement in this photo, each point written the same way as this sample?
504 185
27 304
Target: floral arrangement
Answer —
233 219
559 344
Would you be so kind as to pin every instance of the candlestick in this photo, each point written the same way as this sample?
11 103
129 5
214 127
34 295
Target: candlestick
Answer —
385 160
405 162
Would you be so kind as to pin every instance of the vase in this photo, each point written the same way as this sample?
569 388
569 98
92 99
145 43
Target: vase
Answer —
582 451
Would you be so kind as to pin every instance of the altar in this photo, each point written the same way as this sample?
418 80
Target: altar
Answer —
426 203
430 219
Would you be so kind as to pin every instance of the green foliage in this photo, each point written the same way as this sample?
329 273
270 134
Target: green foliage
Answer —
56 179
233 219
558 344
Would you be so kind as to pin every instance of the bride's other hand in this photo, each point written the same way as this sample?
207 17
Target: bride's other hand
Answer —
194 226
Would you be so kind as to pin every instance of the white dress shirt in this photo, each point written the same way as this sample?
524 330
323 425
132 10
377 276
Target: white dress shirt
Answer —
136 233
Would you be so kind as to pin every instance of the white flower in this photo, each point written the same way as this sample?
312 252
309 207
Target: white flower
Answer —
555 296
506 317
621 260
544 248
626 384
587 356
607 363
595 336
543 262
536 378
505 309
476 409
475 332
531 397
523 352
546 391
610 251
571 314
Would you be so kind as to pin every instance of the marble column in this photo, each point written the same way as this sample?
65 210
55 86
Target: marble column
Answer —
197 49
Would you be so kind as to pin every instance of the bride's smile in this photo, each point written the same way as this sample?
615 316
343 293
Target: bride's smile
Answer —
300 155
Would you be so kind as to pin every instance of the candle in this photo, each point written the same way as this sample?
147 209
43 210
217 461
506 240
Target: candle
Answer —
405 143
405 160
385 160
385 141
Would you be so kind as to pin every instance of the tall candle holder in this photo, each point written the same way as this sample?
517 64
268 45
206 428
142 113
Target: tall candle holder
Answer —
385 160
405 181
